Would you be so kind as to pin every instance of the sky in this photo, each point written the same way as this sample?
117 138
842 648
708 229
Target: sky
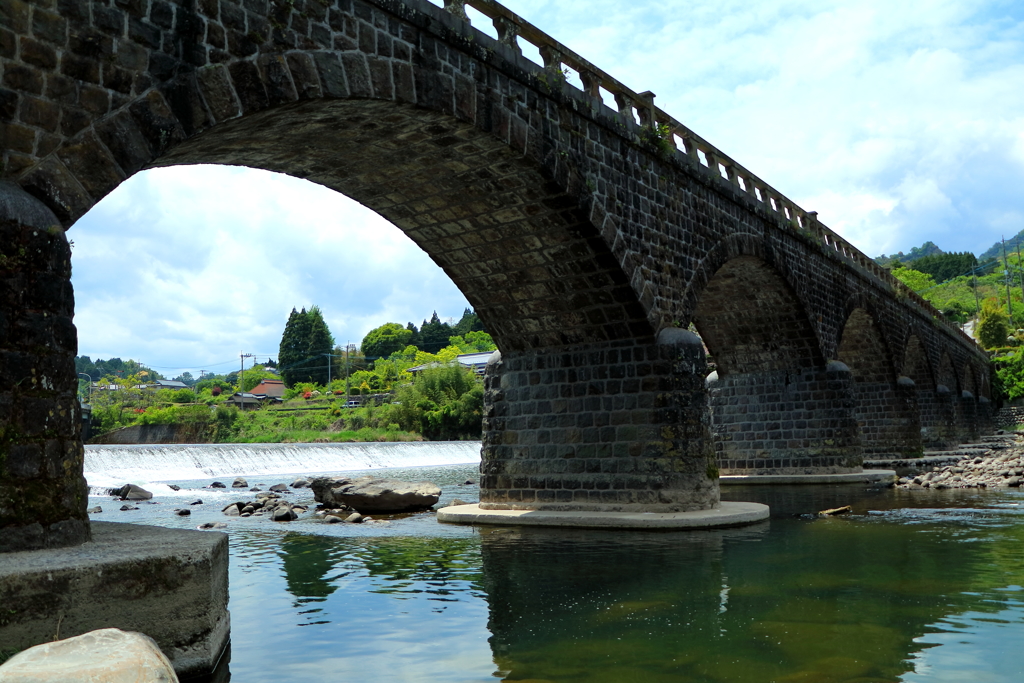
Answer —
898 122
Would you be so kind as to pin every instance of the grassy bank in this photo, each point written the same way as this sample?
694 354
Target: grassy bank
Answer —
444 403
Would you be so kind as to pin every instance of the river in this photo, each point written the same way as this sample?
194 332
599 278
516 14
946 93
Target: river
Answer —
913 586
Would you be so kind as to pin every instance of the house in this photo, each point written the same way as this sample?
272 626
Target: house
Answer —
244 401
477 362
269 388
167 384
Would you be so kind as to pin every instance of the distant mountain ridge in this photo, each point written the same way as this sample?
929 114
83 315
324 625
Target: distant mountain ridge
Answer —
929 248
996 250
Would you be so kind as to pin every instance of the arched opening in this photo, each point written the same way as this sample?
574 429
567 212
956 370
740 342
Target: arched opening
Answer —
947 391
184 267
915 365
968 408
930 408
886 415
514 242
777 407
753 322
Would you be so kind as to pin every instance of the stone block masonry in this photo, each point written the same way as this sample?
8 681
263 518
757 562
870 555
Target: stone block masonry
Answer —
43 495
786 423
613 427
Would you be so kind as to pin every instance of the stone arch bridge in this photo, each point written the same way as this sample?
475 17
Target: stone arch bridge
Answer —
591 239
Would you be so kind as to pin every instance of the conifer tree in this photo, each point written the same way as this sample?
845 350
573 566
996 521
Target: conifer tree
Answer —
434 334
470 322
294 345
320 344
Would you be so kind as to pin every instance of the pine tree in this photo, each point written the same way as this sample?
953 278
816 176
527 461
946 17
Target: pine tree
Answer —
414 340
470 322
294 344
434 334
320 344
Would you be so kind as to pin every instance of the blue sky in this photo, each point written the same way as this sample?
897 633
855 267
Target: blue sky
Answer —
897 122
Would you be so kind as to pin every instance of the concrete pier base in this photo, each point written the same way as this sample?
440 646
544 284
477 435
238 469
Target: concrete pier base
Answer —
722 515
170 584
865 477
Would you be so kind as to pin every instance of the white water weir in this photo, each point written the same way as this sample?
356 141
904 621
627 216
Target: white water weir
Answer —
108 465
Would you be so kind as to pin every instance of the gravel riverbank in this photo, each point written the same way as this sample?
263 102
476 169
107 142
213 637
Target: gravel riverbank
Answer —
1001 465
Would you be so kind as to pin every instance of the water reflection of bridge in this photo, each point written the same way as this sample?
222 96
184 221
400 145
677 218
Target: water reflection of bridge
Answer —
830 599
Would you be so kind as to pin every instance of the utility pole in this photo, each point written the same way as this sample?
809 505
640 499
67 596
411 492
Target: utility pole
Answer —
242 356
1006 278
1020 272
347 373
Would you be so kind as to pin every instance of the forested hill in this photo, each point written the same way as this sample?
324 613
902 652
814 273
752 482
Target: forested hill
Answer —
1013 244
926 249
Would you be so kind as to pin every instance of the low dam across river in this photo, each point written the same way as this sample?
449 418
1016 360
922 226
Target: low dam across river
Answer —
116 465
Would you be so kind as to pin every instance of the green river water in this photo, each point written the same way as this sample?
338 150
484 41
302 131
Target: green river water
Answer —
921 586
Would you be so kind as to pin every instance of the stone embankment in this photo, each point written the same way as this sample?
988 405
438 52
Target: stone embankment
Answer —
997 463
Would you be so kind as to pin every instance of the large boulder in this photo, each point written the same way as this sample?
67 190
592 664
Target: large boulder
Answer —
109 655
368 494
132 492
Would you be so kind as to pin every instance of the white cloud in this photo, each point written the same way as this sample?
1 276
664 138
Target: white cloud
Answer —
187 266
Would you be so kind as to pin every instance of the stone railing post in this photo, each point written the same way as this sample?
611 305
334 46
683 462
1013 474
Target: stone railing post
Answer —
552 58
457 8
508 33
591 84
43 493
625 105
646 112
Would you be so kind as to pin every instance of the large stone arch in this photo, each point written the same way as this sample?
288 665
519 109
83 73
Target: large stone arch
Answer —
886 410
777 406
480 198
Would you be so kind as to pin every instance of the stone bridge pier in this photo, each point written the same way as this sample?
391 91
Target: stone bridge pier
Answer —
620 426
43 494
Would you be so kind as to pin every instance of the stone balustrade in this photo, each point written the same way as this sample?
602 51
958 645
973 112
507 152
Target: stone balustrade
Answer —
637 111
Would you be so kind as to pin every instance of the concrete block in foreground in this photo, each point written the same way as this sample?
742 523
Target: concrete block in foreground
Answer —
170 584
865 477
724 515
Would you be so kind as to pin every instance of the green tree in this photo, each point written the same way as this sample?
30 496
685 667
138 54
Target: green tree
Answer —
473 342
914 279
470 322
319 348
434 334
992 328
414 340
444 402
382 341
294 342
944 267
254 375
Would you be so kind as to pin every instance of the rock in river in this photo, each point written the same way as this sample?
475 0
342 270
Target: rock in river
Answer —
108 655
367 494
132 492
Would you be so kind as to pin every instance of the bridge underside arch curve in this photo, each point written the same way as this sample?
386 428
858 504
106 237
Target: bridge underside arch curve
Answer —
776 406
521 249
